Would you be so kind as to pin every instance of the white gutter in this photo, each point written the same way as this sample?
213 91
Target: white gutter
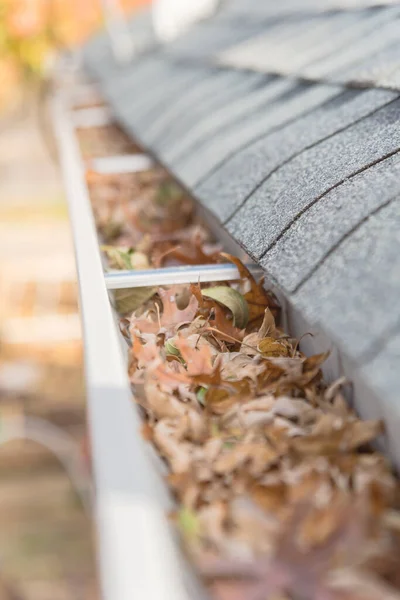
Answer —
137 554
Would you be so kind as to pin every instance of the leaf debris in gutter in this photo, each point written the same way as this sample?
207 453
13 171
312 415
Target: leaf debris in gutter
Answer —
280 493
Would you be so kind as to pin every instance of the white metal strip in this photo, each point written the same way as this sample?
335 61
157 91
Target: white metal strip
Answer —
138 559
95 116
175 275
116 165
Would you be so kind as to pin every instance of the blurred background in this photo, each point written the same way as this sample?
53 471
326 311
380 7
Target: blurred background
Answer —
46 543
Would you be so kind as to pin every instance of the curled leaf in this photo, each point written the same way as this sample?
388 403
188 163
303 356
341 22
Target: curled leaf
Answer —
118 258
127 301
125 258
168 191
233 300
171 349
111 230
198 360
188 523
268 324
258 298
172 316
270 347
200 395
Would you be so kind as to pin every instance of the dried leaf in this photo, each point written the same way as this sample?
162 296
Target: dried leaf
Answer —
192 252
158 404
118 258
271 498
111 230
168 378
269 347
340 437
349 585
230 298
290 569
198 360
147 432
268 326
171 349
238 366
188 523
129 300
163 212
193 426
257 298
168 192
293 408
177 453
146 354
172 316
314 362
223 327
256 457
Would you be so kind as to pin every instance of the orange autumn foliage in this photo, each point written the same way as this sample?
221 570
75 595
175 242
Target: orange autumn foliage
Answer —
32 30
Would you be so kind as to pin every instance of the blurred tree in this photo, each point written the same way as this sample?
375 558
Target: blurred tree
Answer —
32 30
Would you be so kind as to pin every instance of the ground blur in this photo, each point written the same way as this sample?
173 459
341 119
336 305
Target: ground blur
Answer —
46 548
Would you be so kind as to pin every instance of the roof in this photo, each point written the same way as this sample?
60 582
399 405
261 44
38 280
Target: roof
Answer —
283 119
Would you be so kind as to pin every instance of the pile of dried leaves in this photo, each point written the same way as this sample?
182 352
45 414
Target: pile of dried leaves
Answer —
104 140
280 493
146 221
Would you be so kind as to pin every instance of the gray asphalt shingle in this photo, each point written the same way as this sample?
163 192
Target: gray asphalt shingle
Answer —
152 73
201 121
289 100
351 54
257 9
232 183
309 241
330 47
298 44
171 86
207 86
97 52
377 68
353 295
206 39
288 192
